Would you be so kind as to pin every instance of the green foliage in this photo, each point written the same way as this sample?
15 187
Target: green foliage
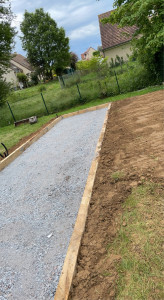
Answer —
7 39
95 64
147 16
22 78
46 45
34 78
72 80
96 53
5 89
42 88
73 60
135 79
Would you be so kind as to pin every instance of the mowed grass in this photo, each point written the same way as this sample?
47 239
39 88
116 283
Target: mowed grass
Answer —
139 243
11 135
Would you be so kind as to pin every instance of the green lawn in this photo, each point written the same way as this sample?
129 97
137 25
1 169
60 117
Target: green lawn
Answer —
11 135
139 245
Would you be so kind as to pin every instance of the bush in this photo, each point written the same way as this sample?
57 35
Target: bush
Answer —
135 79
34 78
41 88
22 78
95 64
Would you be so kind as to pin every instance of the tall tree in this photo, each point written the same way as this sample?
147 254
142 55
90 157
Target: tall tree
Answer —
6 43
46 45
148 16
73 60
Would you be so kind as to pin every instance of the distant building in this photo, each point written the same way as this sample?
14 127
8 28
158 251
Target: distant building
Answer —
18 64
115 41
87 55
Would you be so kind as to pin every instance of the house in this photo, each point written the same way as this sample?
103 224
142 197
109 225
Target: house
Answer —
87 55
115 41
18 64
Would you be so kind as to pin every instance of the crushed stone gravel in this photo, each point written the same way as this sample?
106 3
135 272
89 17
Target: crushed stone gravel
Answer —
40 194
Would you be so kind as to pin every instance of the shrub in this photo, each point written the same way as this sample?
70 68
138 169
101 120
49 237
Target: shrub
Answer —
34 78
22 78
41 88
135 79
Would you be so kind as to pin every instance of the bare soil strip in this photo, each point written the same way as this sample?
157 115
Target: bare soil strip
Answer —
129 179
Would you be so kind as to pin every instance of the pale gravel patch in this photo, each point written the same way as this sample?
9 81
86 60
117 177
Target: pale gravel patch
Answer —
40 194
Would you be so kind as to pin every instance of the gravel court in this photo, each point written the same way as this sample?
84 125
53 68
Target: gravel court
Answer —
40 194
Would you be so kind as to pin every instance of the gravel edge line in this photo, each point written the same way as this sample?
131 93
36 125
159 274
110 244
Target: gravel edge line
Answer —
69 267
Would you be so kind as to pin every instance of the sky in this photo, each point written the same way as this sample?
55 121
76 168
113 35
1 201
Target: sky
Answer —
79 18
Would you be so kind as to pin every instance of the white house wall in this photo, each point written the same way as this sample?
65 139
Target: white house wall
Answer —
11 77
121 51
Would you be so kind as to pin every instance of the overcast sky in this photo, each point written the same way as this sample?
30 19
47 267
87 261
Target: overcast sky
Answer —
78 17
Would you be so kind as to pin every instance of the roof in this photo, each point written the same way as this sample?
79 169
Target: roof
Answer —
83 54
20 59
111 35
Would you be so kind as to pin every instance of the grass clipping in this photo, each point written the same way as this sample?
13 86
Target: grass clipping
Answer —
139 244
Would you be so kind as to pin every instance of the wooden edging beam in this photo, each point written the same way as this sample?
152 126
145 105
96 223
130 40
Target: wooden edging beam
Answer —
69 267
6 161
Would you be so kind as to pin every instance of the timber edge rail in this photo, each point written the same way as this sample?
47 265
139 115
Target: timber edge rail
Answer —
6 161
69 267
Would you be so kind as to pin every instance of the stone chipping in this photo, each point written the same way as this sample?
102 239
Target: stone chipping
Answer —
40 194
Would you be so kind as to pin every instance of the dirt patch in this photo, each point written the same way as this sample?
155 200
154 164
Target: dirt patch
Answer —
132 153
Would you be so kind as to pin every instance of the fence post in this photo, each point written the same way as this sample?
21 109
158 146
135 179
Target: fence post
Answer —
62 80
45 104
79 91
117 82
11 111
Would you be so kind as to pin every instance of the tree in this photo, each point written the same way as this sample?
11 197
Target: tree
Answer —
147 41
73 60
7 34
46 45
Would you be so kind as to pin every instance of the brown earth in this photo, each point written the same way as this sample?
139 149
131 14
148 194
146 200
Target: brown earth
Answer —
134 145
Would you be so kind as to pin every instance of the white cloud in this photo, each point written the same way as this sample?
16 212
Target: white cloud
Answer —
57 14
17 20
84 31
71 15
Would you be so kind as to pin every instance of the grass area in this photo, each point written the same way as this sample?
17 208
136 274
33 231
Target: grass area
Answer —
94 85
139 243
11 135
33 91
117 175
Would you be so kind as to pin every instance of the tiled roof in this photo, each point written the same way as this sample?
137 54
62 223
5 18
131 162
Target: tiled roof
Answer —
111 35
20 59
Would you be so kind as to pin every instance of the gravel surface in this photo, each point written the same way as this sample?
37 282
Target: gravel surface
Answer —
40 194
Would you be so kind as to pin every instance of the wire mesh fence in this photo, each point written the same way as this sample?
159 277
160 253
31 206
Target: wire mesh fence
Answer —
71 89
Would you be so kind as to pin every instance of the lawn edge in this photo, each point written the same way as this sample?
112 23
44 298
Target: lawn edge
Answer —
4 163
69 267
